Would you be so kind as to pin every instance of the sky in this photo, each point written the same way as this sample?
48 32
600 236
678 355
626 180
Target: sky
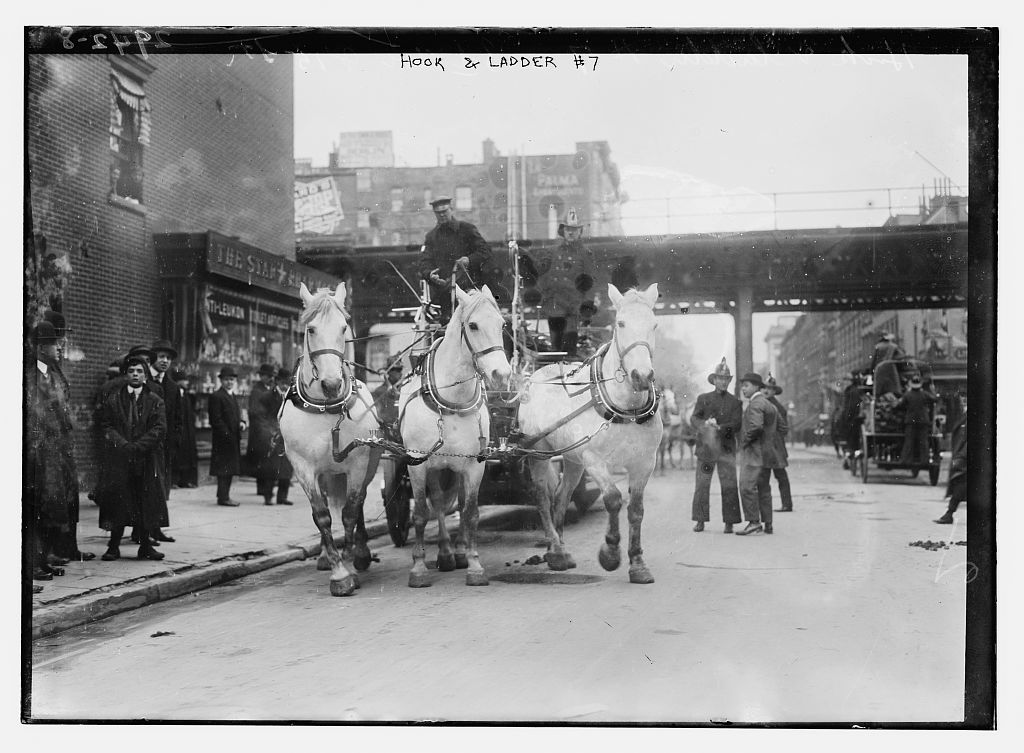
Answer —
704 143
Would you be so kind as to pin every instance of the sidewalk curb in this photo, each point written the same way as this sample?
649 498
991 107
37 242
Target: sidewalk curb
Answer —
111 600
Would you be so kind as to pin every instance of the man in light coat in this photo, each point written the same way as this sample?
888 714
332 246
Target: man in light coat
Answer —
756 456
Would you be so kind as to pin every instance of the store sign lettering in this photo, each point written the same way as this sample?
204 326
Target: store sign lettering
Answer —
240 312
231 259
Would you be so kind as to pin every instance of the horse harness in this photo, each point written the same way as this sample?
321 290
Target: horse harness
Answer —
600 400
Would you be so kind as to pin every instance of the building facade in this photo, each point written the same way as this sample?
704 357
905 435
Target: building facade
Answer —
127 159
519 196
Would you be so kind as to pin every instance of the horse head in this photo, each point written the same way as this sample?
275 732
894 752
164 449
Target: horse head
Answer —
481 324
324 321
633 335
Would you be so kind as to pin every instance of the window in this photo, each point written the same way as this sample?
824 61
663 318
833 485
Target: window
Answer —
129 134
363 181
396 199
464 198
363 217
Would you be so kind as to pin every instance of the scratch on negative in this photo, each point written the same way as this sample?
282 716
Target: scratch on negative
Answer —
648 658
606 623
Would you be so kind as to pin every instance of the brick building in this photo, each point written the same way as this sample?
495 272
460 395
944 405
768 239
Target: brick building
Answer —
523 196
145 177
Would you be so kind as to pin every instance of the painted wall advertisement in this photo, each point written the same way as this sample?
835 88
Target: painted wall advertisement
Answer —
318 207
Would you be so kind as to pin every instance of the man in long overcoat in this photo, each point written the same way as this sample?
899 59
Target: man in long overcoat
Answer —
956 486
277 463
757 454
781 460
449 244
227 425
50 479
262 425
186 455
131 489
163 355
717 417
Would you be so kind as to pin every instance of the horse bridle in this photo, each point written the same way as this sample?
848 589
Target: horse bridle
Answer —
623 351
476 354
312 355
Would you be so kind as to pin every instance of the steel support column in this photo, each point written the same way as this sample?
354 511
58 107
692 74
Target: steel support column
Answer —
743 322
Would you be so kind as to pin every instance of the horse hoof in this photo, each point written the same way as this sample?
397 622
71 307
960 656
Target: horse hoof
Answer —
419 580
461 562
362 562
323 563
640 574
609 557
559 561
476 578
446 562
344 587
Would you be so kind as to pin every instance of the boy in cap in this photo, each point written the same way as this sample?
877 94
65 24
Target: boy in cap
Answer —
452 243
717 418
227 425
756 456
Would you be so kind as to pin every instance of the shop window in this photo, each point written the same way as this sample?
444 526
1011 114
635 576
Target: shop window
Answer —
363 180
396 199
464 198
129 135
363 217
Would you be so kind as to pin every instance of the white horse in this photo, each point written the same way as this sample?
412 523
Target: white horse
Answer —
445 412
326 397
614 422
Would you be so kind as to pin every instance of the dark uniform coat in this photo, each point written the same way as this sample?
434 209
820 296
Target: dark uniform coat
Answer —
262 424
563 276
727 411
759 426
778 439
131 487
445 244
50 456
226 425
171 394
956 488
186 454
277 462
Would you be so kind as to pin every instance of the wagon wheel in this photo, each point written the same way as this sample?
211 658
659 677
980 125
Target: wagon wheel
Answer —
864 457
396 506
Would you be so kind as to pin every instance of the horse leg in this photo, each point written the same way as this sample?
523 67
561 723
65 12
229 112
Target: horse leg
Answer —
541 479
439 501
461 560
468 520
572 472
661 457
342 581
638 572
608 555
361 555
419 577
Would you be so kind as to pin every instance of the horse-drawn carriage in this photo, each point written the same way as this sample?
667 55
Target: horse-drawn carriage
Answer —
883 432
464 408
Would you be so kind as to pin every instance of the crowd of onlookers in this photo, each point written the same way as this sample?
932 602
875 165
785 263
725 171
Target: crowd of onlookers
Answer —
145 421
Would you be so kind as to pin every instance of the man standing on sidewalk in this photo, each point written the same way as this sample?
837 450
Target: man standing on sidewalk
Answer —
227 425
163 354
781 459
756 455
186 456
262 422
131 490
717 417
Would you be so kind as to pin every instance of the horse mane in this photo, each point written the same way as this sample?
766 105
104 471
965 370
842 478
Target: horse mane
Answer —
322 302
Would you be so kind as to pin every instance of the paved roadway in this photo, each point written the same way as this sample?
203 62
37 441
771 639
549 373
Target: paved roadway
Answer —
834 618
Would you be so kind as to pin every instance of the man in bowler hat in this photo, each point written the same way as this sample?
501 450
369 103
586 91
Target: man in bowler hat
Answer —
163 355
227 425
781 455
452 243
757 454
717 417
